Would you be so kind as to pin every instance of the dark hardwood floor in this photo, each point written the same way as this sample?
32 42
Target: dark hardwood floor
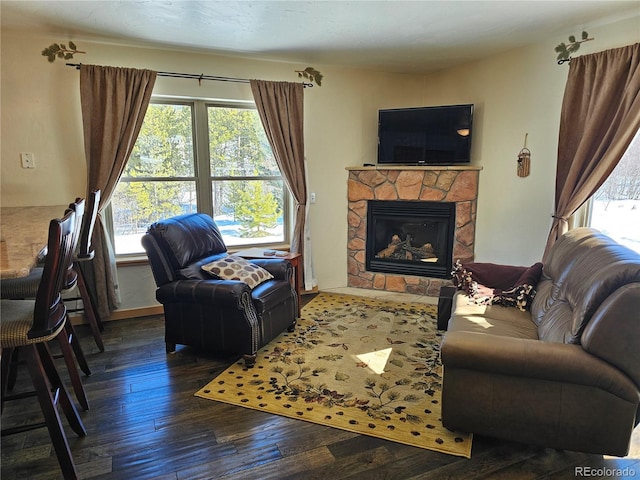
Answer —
145 423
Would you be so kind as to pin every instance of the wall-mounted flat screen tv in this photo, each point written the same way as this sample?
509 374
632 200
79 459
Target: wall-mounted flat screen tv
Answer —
425 135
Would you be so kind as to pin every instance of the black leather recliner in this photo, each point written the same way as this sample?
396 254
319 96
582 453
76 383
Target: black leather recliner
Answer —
223 316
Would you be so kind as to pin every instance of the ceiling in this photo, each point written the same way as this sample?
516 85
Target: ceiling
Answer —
398 36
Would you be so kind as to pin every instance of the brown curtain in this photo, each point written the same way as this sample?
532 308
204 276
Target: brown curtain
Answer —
600 116
280 105
114 101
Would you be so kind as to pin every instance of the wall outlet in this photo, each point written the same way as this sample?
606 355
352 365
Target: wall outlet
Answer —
312 197
28 160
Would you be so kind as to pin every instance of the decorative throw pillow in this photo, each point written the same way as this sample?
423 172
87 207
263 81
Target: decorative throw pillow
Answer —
531 276
484 283
237 268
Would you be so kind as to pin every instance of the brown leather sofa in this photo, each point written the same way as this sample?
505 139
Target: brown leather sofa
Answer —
565 374
224 316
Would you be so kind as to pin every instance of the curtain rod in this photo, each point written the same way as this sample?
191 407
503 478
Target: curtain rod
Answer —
196 76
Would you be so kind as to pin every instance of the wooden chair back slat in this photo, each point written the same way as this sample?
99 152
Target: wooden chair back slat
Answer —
50 311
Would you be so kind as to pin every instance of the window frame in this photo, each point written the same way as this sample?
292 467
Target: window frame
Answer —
203 179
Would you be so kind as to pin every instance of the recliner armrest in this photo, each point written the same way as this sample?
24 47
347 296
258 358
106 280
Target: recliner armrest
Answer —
519 357
221 292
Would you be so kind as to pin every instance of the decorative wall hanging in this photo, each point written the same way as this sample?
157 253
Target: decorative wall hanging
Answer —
565 50
524 159
311 74
60 50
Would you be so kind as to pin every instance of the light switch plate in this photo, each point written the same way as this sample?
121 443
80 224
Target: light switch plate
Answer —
28 161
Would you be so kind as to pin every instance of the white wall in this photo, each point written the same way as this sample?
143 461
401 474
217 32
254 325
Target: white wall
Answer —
515 93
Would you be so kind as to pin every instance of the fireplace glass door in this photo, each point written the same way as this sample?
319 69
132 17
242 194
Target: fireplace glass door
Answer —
410 237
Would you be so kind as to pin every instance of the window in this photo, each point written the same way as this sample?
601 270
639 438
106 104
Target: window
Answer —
615 207
197 156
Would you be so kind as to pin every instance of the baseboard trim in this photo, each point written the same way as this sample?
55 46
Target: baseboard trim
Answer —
136 312
78 319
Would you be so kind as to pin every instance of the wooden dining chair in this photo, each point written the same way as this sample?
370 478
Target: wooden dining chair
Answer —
30 325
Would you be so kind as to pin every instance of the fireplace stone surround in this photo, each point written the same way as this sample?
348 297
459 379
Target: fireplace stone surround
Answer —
457 184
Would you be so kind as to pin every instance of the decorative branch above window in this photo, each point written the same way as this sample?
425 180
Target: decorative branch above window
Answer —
60 50
565 50
311 74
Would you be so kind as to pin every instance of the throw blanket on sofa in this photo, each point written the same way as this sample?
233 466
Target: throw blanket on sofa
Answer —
492 284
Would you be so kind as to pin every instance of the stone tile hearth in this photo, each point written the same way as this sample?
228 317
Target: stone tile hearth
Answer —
435 184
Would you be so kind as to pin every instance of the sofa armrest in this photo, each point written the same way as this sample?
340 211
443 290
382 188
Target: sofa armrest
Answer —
518 357
280 268
220 292
445 303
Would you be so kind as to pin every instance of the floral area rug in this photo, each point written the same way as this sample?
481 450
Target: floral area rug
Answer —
354 363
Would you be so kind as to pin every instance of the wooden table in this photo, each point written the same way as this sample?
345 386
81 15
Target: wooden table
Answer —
24 232
294 258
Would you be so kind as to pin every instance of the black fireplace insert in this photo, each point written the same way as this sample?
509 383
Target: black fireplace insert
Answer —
410 237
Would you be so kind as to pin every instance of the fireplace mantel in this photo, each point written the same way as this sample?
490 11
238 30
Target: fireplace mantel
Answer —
458 184
416 167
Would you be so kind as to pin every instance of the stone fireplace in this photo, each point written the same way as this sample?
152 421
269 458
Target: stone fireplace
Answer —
410 247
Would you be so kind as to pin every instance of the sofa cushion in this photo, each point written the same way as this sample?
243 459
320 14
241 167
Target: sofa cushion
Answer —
490 319
237 268
531 276
582 269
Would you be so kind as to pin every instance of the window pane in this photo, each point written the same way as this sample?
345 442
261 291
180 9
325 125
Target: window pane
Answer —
136 205
164 147
238 145
249 212
162 178
616 205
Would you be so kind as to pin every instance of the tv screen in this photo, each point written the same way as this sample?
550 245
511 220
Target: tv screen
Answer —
425 135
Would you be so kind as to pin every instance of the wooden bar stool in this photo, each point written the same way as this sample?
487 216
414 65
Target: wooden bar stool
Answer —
84 254
69 343
26 287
